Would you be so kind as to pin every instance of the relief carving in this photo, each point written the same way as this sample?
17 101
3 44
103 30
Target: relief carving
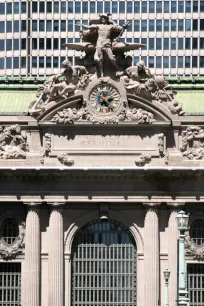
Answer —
161 144
47 147
193 143
13 142
65 160
145 158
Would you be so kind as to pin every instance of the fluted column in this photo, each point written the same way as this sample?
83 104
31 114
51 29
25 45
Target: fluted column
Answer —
151 255
56 256
32 256
174 208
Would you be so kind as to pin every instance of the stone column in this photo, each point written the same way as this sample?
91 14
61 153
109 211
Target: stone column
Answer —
56 256
151 255
32 256
174 208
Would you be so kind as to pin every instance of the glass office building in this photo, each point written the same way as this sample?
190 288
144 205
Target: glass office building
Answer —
32 34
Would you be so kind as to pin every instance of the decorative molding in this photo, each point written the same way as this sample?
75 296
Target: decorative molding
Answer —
143 159
191 248
13 142
47 147
175 107
65 160
9 252
161 144
193 142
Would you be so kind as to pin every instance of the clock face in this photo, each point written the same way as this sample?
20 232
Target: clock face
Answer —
104 99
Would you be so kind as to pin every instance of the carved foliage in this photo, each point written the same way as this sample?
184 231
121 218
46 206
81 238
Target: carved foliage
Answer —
193 142
47 147
197 251
65 160
161 144
13 142
8 252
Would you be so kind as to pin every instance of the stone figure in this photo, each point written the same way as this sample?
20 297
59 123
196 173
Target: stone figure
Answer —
105 31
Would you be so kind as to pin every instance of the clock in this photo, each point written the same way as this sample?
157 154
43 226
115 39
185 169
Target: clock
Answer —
104 99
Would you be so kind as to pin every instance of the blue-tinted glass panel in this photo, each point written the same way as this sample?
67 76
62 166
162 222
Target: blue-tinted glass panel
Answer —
188 6
180 61
151 43
9 8
158 44
55 62
173 6
56 7
56 25
23 43
180 6
41 43
9 26
166 62
151 25
16 7
70 26
159 6
2 44
23 26
92 7
159 25
99 7
49 6
180 43
129 29
8 44
195 6
151 62
16 44
180 24
49 25
34 61
151 6
144 25
23 7
1 63
195 24
188 24
2 26
8 62
41 62
136 25
63 25
48 62
62 42
121 6
48 43
201 6
144 59
56 43
158 62
173 43
202 24
23 62
34 43
16 26
166 43
144 6
84 7
144 42
195 43
41 25
34 26
77 7
136 7
107 6
41 6
187 61
201 43
70 6
2 8
166 6
173 25
188 43
136 59
34 6
129 7
63 7
202 61
166 25
16 63
194 62
173 61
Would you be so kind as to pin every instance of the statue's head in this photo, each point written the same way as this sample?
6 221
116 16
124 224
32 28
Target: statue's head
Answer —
66 64
141 65
106 18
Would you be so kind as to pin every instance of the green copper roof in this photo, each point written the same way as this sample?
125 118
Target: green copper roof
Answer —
192 102
15 102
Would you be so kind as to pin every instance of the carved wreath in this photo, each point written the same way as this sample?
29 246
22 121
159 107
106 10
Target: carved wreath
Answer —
197 251
192 142
8 252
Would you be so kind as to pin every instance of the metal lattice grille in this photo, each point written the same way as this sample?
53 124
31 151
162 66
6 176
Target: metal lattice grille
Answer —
104 265
10 284
197 231
196 284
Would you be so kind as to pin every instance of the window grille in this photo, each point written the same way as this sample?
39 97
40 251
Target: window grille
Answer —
197 231
9 231
195 281
10 284
104 265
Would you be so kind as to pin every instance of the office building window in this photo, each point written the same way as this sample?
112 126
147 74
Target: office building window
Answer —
77 7
195 24
34 26
144 6
173 25
187 61
48 62
144 25
107 6
180 6
48 43
49 25
55 62
16 26
151 7
180 43
62 42
23 7
9 26
188 43
188 6
159 6
92 7
23 43
159 25
195 6
166 25
201 61
201 6
41 25
195 43
70 6
158 62
173 61
135 60
136 6
144 42
136 25
16 63
63 25
23 62
8 44
180 25
202 24
34 61
188 24
84 7
41 62
42 6
2 44
173 7
70 26
201 43
2 26
100 7
34 43
129 7
56 6
8 62
63 7
2 8
166 6
49 7
180 61
166 61
41 43
34 6
151 43
173 43
166 43
56 25
23 26
56 43
16 7
151 62
158 44
9 9
194 62
1 63
16 44
151 25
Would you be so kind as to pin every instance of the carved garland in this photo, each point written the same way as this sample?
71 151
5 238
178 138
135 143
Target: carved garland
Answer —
8 252
191 248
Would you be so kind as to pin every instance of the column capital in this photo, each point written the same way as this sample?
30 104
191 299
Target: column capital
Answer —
175 205
33 204
56 204
152 205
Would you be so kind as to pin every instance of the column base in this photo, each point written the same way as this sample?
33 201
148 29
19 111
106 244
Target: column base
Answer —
183 300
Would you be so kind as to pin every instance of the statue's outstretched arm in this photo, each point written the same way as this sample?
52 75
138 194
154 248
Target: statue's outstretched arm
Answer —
91 27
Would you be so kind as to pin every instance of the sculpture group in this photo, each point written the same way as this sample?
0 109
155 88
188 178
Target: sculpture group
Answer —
105 57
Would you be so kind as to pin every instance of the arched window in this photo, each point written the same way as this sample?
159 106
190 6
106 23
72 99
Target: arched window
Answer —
104 265
9 231
197 231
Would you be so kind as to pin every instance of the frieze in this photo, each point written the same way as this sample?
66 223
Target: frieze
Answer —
193 143
13 142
